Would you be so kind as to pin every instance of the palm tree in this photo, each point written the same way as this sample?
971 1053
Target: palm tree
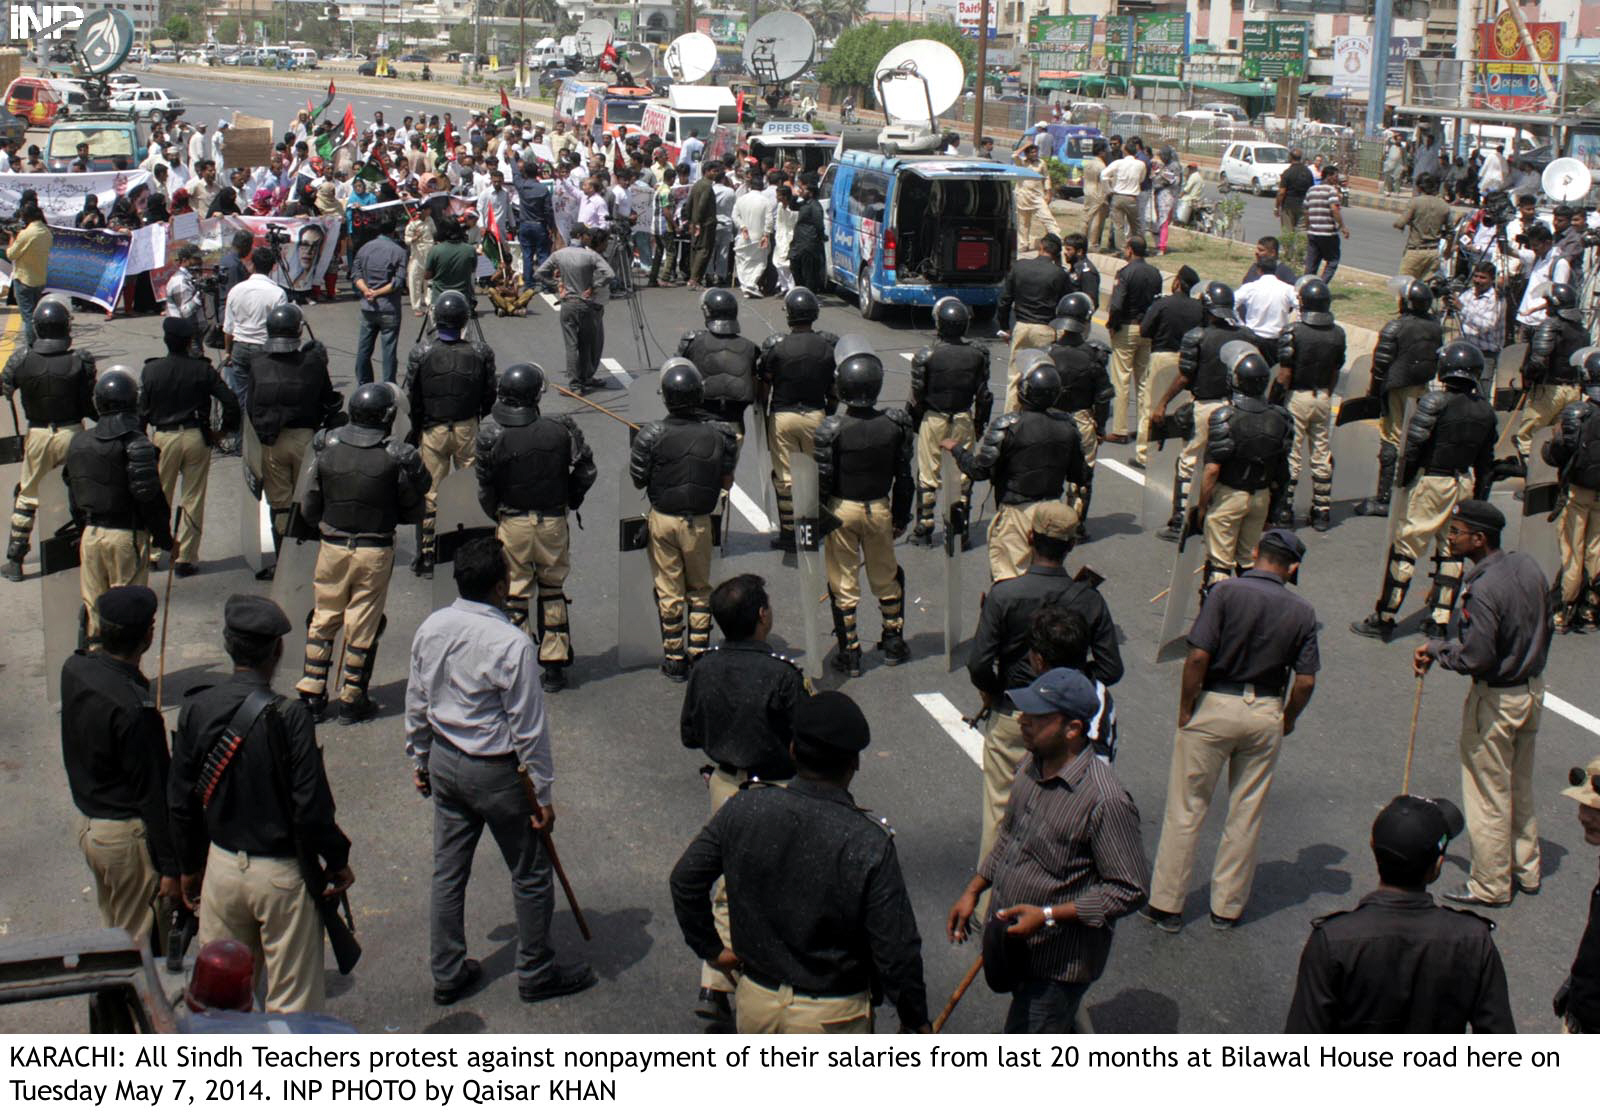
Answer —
829 17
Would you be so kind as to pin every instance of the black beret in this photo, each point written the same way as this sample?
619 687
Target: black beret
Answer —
1285 540
832 721
249 615
1480 514
128 606
177 329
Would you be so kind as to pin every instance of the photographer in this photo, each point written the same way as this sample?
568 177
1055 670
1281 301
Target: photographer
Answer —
244 320
183 296
1542 266
1482 311
29 253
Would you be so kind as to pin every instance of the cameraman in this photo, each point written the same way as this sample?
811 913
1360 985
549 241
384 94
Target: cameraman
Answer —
1542 266
183 296
29 253
1482 310
244 320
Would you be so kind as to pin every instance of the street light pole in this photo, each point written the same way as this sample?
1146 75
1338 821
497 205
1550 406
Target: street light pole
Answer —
1378 85
522 47
983 73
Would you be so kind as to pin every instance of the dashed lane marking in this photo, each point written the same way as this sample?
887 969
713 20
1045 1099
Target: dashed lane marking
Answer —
750 510
943 710
614 366
1127 472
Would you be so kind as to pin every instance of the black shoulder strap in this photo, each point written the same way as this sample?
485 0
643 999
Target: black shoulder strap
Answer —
226 746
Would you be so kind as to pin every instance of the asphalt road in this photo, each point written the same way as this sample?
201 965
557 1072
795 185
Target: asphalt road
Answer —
630 798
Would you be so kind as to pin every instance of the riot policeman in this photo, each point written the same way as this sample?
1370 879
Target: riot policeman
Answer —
684 463
532 470
1549 377
175 394
115 484
726 360
1203 372
291 398
57 386
363 484
796 371
1086 388
950 398
1027 455
1247 457
449 386
864 480
1575 452
1404 360
1451 433
1310 352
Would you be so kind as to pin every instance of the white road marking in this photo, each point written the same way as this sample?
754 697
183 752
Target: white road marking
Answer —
1127 472
551 299
750 510
613 366
1560 708
942 710
908 357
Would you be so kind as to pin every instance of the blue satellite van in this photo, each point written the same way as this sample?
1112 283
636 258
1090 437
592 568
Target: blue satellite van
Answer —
908 230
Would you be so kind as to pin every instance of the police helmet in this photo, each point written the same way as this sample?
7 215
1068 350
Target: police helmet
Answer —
951 318
283 328
450 310
116 390
1416 297
800 306
373 406
52 320
1040 384
859 379
682 386
223 978
721 310
1217 302
1073 312
1460 364
1316 301
851 344
1248 371
1562 298
521 385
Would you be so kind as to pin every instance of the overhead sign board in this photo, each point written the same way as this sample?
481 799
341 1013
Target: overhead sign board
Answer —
1274 49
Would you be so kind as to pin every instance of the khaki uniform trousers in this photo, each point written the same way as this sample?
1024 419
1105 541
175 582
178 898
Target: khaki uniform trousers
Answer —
43 449
262 903
352 585
1034 218
1096 209
1580 542
124 879
184 453
538 550
1419 263
109 557
1088 437
1498 730
1312 412
1392 422
865 535
1541 409
680 563
723 787
1426 518
1234 522
1241 734
1130 379
1025 335
1163 370
783 1011
788 433
936 427
280 471
1194 450
1003 753
446 448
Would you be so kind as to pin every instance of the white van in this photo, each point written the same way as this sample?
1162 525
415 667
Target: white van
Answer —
304 58
545 54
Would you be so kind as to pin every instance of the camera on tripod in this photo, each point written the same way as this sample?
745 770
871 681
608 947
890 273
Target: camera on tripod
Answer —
278 236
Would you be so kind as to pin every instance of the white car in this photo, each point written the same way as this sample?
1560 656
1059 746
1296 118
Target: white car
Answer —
1254 166
164 56
153 104
120 81
1202 118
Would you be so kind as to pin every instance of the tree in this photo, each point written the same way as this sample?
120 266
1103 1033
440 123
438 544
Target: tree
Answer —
178 29
853 62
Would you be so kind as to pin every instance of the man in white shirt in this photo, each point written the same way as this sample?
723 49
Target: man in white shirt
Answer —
244 321
218 143
722 254
479 740
753 217
592 210
198 147
690 153
1120 181
1266 305
499 198
1542 265
1492 176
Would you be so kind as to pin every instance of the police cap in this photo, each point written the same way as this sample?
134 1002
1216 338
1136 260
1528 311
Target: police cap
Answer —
249 615
1480 514
1284 541
1412 832
831 722
177 329
128 606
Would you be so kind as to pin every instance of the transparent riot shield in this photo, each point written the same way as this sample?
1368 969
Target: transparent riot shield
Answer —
808 536
757 452
1183 599
956 511
1508 377
294 581
638 620
1354 449
402 413
255 517
1538 534
1160 479
458 519
60 589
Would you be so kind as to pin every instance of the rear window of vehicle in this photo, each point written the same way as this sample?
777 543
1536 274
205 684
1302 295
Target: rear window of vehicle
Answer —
1272 154
867 194
104 143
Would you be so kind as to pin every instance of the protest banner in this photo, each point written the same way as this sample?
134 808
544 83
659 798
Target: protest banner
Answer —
89 264
61 195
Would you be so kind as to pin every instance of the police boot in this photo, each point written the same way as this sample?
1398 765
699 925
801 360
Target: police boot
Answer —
1281 511
1379 503
17 547
785 539
278 519
847 659
922 534
674 663
1397 570
1321 501
1587 614
893 644
422 564
1447 573
1173 531
358 664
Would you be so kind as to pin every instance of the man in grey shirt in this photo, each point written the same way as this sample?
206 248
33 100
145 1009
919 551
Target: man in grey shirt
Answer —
379 275
1502 639
582 278
477 735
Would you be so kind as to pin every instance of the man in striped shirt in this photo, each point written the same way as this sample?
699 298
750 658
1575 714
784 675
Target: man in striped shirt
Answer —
1324 225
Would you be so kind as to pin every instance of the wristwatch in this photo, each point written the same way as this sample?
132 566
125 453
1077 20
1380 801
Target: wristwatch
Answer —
1050 916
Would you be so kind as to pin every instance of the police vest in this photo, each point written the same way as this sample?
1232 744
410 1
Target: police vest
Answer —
1035 457
176 389
1257 431
360 488
728 366
1459 433
451 383
865 450
953 372
1318 355
1584 468
1078 365
686 478
52 388
285 394
97 472
1571 338
531 464
803 372
1416 359
1211 375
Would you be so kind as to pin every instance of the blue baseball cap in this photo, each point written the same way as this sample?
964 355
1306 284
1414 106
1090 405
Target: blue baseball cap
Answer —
1062 690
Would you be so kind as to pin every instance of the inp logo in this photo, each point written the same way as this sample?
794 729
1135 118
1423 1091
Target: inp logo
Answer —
28 21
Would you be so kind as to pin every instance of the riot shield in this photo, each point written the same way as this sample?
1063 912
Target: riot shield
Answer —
1354 449
60 588
294 582
1160 478
1182 602
757 453
808 536
956 512
1508 377
255 517
1353 378
638 620
458 520
1538 534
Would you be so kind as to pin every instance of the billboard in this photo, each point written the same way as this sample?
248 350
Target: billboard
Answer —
969 12
1160 43
1274 49
1062 42
1507 77
1352 62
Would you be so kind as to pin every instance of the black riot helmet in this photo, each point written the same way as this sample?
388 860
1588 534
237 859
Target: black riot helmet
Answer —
1073 312
116 391
520 385
283 328
1316 301
1460 365
951 318
373 406
52 320
1217 302
1562 298
859 379
1040 384
1248 372
450 310
682 386
800 306
1587 361
721 310
1415 296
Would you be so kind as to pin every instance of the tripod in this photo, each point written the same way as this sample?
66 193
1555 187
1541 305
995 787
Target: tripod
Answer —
472 320
619 255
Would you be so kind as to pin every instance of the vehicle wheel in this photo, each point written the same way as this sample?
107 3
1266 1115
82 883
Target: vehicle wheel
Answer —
155 116
1224 186
1255 186
871 308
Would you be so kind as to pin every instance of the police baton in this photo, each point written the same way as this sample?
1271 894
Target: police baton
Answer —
166 608
961 990
591 403
1411 744
550 850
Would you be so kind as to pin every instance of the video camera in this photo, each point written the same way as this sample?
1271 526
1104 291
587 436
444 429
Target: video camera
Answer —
278 236
1447 288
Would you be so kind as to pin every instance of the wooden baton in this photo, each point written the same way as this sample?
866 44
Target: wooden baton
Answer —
1411 744
555 859
591 403
166 611
961 990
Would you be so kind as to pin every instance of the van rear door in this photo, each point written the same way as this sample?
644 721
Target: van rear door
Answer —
953 223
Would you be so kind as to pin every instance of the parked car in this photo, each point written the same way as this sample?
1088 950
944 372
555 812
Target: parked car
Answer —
1235 111
164 56
12 127
1201 118
415 56
194 58
369 68
35 100
119 81
1133 122
152 104
1254 166
1235 134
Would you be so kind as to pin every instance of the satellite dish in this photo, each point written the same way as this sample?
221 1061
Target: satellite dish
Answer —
1566 180
778 48
691 57
918 80
638 59
103 40
592 36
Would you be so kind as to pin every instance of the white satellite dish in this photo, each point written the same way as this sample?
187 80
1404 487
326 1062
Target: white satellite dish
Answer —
690 57
592 37
639 60
778 48
1566 180
918 80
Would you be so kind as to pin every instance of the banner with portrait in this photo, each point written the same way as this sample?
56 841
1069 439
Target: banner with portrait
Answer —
61 196
305 246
